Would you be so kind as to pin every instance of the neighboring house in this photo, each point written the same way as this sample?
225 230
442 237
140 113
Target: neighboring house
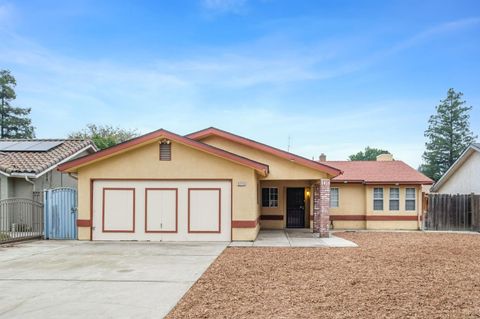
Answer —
210 185
381 194
28 166
463 177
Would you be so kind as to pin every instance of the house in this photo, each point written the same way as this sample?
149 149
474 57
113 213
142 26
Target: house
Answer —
28 166
210 185
463 177
381 194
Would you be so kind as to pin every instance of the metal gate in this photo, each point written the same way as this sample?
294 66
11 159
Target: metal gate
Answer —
60 209
20 219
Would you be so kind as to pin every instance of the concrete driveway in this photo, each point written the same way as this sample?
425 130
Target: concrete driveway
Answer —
59 279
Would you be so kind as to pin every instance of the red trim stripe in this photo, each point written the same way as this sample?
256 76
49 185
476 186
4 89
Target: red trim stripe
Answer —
84 223
373 218
271 217
244 223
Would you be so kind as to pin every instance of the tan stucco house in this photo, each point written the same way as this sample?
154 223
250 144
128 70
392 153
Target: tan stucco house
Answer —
212 185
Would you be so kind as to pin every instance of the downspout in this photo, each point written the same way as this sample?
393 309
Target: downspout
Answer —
30 181
72 175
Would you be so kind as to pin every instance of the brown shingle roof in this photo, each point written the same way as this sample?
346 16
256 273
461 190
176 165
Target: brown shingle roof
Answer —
378 172
37 162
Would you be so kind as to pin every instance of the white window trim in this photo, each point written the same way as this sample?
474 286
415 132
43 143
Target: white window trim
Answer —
271 201
338 197
390 199
414 199
382 199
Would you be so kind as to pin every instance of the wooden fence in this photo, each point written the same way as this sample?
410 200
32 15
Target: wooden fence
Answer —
459 212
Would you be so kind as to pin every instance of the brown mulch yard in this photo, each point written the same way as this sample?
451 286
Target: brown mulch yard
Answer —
395 275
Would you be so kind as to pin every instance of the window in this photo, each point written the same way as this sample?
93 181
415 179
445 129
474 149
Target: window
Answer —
394 199
378 198
165 150
334 193
270 197
410 198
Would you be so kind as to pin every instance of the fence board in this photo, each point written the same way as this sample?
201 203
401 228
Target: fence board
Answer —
459 212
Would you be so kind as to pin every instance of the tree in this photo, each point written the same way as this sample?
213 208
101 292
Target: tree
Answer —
14 121
448 135
370 154
104 135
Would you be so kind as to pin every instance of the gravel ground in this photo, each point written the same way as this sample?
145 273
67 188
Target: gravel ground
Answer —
391 275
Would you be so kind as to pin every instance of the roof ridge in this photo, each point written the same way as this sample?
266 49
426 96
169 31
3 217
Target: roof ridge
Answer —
211 128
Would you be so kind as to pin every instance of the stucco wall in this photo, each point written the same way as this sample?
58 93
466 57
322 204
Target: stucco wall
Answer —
279 168
356 203
186 163
466 179
351 199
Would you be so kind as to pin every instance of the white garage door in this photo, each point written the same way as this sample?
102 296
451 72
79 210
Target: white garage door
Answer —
162 210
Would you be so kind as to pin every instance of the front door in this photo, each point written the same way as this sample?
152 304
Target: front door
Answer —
295 208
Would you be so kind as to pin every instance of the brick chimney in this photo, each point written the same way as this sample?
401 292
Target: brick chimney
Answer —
385 158
322 158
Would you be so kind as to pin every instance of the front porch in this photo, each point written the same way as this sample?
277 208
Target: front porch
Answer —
303 237
295 204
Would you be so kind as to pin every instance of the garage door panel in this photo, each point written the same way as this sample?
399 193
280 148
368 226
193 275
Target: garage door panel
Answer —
118 213
161 210
204 210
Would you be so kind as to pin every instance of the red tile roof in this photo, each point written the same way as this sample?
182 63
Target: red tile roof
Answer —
28 162
373 172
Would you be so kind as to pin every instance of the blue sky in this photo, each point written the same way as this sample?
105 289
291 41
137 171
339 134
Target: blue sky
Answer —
334 76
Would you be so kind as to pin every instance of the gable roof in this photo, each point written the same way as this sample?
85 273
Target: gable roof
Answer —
36 163
378 172
266 148
149 137
474 147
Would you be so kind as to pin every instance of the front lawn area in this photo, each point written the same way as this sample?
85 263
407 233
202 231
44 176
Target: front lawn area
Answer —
394 275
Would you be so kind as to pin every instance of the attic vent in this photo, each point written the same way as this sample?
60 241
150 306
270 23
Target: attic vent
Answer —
165 150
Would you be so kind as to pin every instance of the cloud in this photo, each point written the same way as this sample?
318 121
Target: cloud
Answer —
6 14
219 86
225 6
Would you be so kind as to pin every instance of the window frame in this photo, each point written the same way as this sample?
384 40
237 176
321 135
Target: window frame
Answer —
338 197
375 199
397 199
414 199
272 197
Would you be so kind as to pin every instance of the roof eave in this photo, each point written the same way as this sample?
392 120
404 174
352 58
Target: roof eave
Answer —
73 165
451 170
332 171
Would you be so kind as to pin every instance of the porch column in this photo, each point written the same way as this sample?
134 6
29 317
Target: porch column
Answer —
321 206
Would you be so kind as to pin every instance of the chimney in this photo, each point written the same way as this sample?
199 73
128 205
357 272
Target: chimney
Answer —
385 158
322 158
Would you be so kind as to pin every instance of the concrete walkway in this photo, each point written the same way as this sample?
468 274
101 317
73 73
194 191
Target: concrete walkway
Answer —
73 279
293 238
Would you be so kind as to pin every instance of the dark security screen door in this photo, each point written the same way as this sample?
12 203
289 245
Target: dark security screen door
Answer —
295 208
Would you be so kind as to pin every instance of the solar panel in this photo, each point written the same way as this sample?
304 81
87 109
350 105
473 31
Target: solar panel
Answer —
5 144
28 146
45 146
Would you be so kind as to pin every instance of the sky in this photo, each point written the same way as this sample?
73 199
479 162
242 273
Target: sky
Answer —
305 76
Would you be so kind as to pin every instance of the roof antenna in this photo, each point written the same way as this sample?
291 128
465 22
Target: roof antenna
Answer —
288 146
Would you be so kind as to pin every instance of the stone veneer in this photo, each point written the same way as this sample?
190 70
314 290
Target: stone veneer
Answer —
321 206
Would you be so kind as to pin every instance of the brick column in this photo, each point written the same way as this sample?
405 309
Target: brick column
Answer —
321 208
